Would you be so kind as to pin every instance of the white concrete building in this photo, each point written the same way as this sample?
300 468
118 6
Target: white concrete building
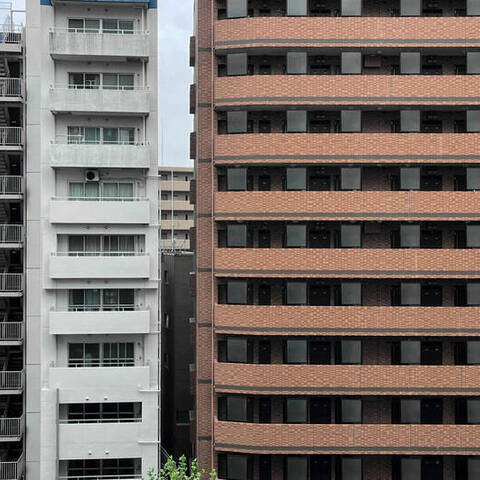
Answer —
92 297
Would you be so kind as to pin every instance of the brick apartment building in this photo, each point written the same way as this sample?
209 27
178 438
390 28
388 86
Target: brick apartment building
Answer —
337 235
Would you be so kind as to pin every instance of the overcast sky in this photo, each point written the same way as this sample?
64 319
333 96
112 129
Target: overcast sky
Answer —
175 19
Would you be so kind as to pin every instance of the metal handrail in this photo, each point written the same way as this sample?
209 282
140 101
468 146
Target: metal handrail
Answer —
99 31
11 380
11 470
11 282
11 233
11 330
80 140
13 35
66 421
101 362
11 136
10 184
102 308
101 199
11 427
99 254
100 477
72 86
10 87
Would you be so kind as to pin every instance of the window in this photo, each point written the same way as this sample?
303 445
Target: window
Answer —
118 81
350 352
83 354
473 120
83 80
84 135
351 121
409 178
236 8
103 412
117 26
410 411
237 350
473 352
92 245
351 410
410 62
237 64
473 294
91 300
122 467
473 410
351 62
296 236
237 122
473 62
351 468
410 8
296 410
296 7
296 178
237 292
410 352
351 178
473 236
83 25
351 293
296 63
237 409
473 178
296 351
410 236
107 136
296 121
351 8
351 236
237 179
473 7
237 467
473 466
236 236
118 355
411 468
410 120
296 293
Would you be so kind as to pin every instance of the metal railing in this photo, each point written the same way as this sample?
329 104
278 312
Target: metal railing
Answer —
101 362
11 381
81 140
133 476
91 86
101 199
12 35
11 330
11 470
10 87
11 136
11 282
102 308
11 234
99 254
75 421
98 31
11 427
10 184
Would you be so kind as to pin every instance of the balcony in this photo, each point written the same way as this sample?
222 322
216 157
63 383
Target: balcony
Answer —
121 440
84 321
346 439
347 148
12 470
11 333
11 41
85 155
361 321
177 244
73 100
90 265
11 139
359 205
175 186
70 45
10 89
284 379
11 383
180 205
134 211
11 186
347 263
11 284
341 32
11 429
304 90
11 236
176 224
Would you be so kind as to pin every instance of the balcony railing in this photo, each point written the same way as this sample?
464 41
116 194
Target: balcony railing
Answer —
81 140
90 86
10 87
11 136
99 477
11 381
11 331
100 199
11 282
12 470
101 362
10 184
12 35
11 427
102 308
68 421
11 234
98 254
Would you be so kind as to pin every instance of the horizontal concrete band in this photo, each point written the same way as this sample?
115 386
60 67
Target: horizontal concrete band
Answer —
426 273
347 214
435 450
346 157
262 100
348 389
355 41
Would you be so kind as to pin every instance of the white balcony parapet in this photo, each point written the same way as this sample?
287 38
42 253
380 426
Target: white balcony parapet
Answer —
12 470
77 42
11 136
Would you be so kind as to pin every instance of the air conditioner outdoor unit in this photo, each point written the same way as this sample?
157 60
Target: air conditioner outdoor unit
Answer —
92 176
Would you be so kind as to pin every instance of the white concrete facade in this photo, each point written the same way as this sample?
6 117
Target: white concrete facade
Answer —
92 233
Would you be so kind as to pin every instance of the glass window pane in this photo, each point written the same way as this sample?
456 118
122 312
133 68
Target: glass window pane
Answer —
296 410
473 410
411 468
296 62
75 351
110 190
410 236
473 293
297 7
410 352
473 468
351 352
236 8
237 350
296 236
473 178
296 121
237 122
126 26
473 236
110 26
110 81
296 178
473 120
351 8
110 135
126 82
125 190
351 468
127 296
110 296
75 24
76 297
410 120
351 178
237 179
297 468
75 80
410 8
410 178
473 62
92 190
92 299
351 410
75 243
237 467
351 62
92 80
410 62
351 236
91 135
410 293
236 236
473 352
237 64
296 293
296 351
351 293
237 409
92 25
410 411
237 293
351 121
473 7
